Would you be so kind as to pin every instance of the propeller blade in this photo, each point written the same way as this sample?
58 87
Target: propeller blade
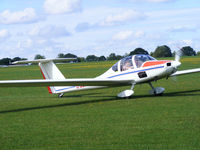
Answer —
178 55
176 64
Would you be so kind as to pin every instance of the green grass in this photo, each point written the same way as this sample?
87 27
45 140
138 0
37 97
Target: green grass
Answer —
30 118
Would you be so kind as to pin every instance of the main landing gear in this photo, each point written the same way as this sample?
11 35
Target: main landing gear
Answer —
126 93
157 90
60 95
129 93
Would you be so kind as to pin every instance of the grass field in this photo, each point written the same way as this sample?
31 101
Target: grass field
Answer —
30 118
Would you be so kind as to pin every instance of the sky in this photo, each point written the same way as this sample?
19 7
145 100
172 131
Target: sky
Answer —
99 27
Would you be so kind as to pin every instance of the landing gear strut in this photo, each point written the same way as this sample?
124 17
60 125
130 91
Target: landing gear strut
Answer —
157 90
60 95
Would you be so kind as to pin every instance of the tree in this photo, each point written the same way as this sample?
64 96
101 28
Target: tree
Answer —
91 58
113 56
38 56
18 59
151 54
80 59
188 51
5 61
139 51
173 54
125 55
102 58
198 53
69 55
162 51
61 55
118 57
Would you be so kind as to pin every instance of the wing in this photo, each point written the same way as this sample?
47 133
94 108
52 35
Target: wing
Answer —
65 82
185 72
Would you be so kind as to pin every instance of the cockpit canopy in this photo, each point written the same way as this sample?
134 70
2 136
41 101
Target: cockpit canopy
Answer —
131 62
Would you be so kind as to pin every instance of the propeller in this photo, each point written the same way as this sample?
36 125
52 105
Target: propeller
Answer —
176 63
178 55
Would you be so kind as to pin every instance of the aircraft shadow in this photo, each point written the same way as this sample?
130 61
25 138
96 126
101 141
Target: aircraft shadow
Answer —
172 94
81 95
110 98
184 93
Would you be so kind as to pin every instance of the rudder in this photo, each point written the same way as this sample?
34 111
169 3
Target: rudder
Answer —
50 71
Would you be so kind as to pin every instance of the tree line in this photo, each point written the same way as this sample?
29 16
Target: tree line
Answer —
160 51
8 61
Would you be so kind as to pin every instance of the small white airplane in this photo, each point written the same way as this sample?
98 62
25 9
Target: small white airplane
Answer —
131 70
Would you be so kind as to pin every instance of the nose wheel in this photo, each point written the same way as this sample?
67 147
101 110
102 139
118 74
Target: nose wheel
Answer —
156 91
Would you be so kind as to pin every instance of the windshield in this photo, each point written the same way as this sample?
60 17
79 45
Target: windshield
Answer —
115 67
140 59
126 63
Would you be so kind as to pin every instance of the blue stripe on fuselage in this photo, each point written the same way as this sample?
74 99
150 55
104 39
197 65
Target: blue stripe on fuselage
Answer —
66 88
135 71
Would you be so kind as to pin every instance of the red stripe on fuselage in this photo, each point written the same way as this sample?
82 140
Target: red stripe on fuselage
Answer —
49 89
153 63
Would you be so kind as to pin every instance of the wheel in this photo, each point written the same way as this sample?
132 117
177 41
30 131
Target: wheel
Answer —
60 95
158 91
125 94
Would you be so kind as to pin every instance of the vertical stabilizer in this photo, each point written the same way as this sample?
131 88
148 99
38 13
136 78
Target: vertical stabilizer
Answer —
50 71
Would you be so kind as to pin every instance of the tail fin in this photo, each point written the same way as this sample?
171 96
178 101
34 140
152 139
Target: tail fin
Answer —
49 70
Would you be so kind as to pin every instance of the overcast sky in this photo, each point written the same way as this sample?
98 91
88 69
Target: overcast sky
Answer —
100 27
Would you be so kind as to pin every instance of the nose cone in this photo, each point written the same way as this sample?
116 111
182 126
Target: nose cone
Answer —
176 64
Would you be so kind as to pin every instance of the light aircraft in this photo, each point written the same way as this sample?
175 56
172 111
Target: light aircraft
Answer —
131 70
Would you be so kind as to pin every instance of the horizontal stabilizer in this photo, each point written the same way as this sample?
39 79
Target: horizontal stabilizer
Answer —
65 82
185 72
44 60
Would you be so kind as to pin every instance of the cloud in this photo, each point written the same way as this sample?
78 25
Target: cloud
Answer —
154 1
183 29
118 18
30 46
25 44
139 34
84 26
188 42
49 31
158 1
123 35
4 34
177 44
61 6
129 15
28 15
